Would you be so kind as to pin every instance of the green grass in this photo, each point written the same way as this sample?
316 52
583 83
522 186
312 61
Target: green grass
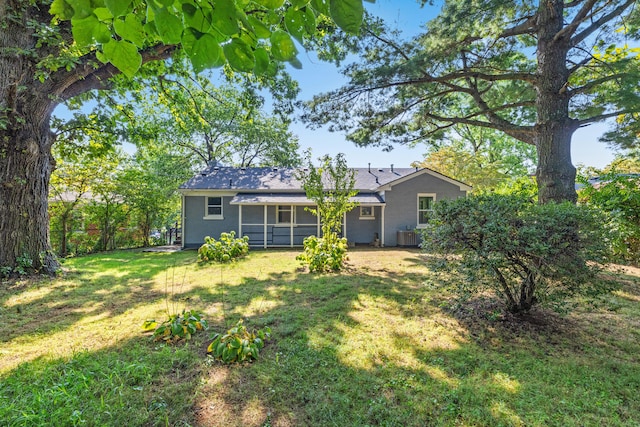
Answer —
378 345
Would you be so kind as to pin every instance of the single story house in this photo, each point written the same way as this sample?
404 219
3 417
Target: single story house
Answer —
268 205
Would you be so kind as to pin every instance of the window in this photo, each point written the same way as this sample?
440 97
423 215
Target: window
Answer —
366 212
284 215
214 208
425 206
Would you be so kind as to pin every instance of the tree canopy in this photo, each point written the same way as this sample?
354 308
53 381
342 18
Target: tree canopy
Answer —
210 122
481 157
535 71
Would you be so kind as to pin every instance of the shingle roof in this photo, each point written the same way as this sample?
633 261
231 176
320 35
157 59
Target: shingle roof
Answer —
282 179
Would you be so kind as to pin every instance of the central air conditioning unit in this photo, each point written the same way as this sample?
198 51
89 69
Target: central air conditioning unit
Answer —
407 238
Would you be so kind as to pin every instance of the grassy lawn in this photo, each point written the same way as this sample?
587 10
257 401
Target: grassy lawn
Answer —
378 345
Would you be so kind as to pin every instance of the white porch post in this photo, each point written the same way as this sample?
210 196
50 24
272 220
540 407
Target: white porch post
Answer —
382 227
291 226
265 226
240 221
182 221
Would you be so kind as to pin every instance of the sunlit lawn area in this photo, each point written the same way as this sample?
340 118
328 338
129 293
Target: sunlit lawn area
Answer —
378 345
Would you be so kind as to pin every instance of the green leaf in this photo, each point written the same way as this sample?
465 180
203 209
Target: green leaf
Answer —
347 14
295 63
150 28
224 17
270 4
130 29
259 28
101 57
239 55
309 20
82 30
102 33
282 47
294 20
203 50
124 56
176 329
103 14
321 6
117 7
298 4
168 25
219 349
262 61
81 8
197 16
61 9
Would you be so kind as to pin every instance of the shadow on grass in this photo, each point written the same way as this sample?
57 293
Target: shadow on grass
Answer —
136 383
99 285
377 349
371 347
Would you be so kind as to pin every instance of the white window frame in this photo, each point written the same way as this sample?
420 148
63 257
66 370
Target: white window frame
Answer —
292 214
207 205
370 215
418 210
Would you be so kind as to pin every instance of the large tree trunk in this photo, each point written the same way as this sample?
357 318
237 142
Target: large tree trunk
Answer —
25 168
25 146
554 128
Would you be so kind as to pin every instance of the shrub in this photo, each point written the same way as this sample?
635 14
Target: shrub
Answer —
178 327
527 253
238 345
324 254
618 196
225 249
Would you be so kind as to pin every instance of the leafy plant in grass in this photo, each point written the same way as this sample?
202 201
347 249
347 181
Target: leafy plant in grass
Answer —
177 327
225 249
239 344
324 254
528 253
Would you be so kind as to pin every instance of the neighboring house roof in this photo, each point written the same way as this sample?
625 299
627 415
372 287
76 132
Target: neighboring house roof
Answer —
279 180
598 181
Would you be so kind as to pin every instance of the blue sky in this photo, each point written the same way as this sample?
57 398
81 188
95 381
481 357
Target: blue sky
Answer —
407 15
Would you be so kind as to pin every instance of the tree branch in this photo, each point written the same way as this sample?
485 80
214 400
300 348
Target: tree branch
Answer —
86 77
577 20
592 84
602 117
579 37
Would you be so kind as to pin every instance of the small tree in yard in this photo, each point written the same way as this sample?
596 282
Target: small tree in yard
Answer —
331 188
527 253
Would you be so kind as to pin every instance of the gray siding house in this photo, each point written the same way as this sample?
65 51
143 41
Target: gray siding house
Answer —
268 205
